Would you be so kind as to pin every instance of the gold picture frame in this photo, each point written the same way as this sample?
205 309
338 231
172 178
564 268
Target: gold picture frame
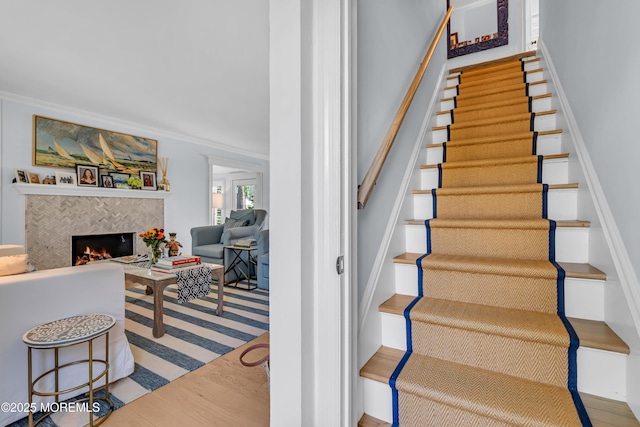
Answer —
62 144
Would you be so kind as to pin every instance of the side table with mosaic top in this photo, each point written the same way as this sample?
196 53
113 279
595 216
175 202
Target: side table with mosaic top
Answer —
63 333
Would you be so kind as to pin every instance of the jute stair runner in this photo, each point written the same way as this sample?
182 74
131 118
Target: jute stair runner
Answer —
488 343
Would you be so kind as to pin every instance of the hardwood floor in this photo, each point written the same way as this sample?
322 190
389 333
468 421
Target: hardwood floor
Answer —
221 393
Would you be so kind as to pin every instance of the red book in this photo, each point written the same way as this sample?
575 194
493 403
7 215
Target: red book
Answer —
177 260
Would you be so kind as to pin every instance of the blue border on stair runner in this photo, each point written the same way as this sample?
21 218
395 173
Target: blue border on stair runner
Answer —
405 358
407 317
574 341
539 177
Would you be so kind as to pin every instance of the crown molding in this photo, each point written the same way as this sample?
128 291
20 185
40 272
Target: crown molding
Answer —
145 129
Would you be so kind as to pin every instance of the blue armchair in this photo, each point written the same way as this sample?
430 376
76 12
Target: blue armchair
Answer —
208 242
263 259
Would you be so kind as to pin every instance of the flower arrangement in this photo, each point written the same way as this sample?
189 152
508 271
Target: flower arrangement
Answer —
135 182
153 238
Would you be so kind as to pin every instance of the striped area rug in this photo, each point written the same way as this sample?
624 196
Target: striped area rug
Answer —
195 336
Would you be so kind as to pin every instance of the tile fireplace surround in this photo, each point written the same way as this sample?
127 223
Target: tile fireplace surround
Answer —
51 220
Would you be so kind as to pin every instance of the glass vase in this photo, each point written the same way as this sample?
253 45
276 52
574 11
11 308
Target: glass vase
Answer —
154 255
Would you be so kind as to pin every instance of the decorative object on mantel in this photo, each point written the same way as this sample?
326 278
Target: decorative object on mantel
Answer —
154 239
49 179
164 182
34 178
148 180
120 180
22 176
64 144
65 178
107 181
87 176
173 245
134 182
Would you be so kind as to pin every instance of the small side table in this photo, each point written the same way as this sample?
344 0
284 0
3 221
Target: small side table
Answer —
238 261
64 333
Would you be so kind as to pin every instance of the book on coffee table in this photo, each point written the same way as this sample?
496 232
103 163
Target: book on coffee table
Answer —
129 259
178 260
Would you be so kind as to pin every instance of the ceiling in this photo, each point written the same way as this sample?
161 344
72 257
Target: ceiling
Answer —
197 68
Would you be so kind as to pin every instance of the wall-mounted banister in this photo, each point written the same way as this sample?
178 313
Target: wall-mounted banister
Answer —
369 181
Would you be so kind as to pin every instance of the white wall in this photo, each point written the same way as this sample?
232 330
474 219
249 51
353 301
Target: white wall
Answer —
516 39
588 43
392 40
188 172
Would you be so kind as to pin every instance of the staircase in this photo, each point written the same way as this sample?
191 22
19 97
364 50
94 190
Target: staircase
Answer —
601 355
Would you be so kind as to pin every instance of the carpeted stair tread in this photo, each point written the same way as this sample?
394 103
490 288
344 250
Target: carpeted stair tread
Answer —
502 137
603 412
592 333
491 161
585 269
491 172
533 345
462 115
501 282
481 84
482 396
496 238
485 106
482 265
522 56
551 187
572 269
490 94
526 325
493 121
492 200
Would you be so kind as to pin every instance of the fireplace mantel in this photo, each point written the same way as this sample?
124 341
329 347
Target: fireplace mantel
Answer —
70 190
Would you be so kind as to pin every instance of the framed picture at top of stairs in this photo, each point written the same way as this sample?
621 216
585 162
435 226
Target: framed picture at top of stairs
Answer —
478 24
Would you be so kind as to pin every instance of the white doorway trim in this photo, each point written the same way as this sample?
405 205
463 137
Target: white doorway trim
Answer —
310 308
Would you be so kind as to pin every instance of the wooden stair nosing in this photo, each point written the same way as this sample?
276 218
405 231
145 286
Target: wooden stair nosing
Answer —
513 76
559 224
602 412
502 137
572 269
534 97
493 62
592 333
551 187
479 122
545 157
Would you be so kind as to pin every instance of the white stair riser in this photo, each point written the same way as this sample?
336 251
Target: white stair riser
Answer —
561 205
572 243
554 171
377 400
541 123
602 373
537 106
534 90
583 297
546 145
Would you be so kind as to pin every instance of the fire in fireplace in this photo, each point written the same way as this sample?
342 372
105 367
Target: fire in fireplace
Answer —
95 247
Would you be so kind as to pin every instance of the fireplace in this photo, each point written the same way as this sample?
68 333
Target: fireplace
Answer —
96 247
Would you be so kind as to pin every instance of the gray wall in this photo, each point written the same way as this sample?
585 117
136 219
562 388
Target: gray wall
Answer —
589 42
392 40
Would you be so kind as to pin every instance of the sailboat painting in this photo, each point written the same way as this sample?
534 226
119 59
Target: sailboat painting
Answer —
57 143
